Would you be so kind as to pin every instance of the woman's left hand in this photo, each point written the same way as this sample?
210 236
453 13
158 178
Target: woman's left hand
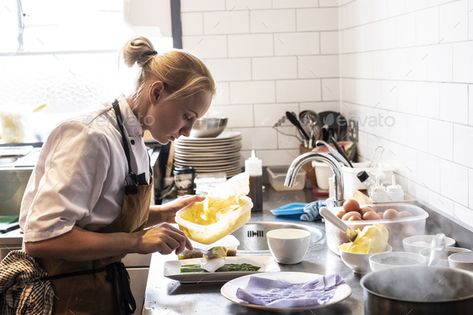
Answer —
167 212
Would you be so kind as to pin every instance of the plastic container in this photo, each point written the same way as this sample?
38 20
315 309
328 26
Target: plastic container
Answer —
398 228
322 174
227 224
277 176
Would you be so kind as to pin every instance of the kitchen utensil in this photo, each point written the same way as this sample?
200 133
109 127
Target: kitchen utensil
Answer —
341 151
333 152
334 124
293 119
438 250
332 218
208 127
418 290
311 120
288 246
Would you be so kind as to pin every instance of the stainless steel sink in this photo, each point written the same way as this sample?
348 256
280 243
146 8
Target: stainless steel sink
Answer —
252 235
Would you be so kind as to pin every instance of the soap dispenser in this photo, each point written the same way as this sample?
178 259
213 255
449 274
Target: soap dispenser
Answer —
254 168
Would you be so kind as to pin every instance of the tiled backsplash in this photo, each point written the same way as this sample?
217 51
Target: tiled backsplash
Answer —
405 70
402 68
268 57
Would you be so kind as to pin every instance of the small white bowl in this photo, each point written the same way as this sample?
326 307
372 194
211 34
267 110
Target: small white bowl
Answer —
383 261
416 243
359 263
288 246
461 260
450 251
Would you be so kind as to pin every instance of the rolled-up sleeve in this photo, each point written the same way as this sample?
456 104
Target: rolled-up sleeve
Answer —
67 182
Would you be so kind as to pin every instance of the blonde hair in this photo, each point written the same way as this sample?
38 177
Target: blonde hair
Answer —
183 74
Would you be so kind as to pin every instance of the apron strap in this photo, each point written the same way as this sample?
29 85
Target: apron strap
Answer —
130 188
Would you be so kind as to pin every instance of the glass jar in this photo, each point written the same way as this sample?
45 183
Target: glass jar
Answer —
184 180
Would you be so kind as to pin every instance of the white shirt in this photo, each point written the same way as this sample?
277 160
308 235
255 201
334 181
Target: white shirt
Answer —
80 175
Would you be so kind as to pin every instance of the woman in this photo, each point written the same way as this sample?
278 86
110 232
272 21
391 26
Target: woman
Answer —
88 200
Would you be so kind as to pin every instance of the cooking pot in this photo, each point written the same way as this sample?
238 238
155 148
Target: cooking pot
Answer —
417 291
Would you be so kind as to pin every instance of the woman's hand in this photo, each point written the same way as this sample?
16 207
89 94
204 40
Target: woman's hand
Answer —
163 238
167 212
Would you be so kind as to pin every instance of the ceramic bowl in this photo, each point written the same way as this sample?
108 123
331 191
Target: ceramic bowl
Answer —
288 246
359 263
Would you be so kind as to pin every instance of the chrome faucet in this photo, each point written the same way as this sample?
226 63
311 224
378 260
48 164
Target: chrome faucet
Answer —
320 157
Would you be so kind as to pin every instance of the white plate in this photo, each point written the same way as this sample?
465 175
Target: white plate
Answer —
229 289
223 136
172 269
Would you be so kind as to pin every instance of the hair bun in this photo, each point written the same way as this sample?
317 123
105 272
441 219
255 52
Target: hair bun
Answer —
138 50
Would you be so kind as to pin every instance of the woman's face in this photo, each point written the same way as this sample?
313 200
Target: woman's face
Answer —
168 120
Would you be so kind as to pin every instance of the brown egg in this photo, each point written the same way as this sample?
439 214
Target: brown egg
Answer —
366 209
390 214
354 218
340 214
351 205
351 214
404 213
371 215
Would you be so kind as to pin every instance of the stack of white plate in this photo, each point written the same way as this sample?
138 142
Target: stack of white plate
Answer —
210 155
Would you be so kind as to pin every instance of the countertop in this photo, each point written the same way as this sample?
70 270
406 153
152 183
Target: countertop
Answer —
166 296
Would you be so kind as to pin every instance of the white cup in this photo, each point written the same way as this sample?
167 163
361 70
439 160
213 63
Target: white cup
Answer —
288 246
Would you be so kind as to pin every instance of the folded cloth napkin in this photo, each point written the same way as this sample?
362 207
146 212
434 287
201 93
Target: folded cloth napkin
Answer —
282 294
311 211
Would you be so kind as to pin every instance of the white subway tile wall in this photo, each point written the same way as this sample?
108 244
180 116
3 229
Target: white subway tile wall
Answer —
402 69
412 61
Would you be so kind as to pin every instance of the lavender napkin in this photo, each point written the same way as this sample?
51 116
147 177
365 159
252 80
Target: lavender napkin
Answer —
277 293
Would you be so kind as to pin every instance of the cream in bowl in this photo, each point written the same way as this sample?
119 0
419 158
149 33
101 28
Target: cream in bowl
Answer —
288 246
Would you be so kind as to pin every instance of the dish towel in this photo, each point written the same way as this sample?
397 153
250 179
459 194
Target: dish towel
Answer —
311 211
282 294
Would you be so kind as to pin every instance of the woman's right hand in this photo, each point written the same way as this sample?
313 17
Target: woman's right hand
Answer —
163 238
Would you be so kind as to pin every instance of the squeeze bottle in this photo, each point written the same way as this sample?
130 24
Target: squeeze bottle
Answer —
254 168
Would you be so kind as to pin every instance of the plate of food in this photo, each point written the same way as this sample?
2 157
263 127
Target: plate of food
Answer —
199 270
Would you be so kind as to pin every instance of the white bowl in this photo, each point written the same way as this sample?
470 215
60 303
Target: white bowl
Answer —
450 251
288 246
359 263
383 261
461 260
416 243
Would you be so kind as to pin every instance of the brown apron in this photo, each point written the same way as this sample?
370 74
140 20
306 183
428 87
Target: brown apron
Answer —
93 287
